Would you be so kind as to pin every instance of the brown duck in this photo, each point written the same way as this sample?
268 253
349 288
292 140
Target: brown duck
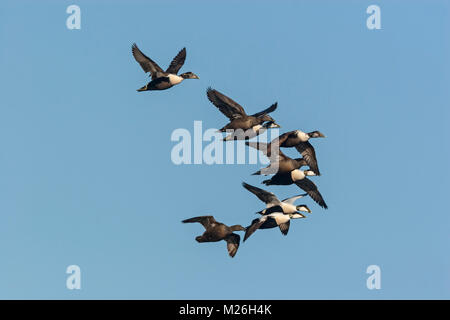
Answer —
236 113
216 231
279 162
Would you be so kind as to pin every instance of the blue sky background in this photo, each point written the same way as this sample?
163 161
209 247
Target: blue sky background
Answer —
86 174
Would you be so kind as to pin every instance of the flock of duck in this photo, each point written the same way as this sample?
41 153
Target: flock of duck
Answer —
284 170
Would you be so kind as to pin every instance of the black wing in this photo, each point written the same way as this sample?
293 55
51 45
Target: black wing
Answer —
263 195
231 109
253 227
308 153
284 227
232 243
270 150
206 221
177 62
311 189
147 64
268 110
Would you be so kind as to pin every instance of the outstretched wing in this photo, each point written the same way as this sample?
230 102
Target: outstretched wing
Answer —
284 227
291 200
206 221
308 153
266 111
310 188
265 196
232 243
177 62
270 150
254 226
147 64
231 109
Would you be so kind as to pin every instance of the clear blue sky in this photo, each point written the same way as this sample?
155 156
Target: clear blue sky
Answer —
86 174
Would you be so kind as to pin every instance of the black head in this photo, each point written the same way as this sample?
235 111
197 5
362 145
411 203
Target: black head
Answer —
265 118
271 124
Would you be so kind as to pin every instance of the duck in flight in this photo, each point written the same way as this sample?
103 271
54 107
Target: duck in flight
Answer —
277 213
239 120
272 220
300 140
250 133
279 162
273 204
216 231
298 177
162 80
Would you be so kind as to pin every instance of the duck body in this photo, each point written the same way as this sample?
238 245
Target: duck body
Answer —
244 123
279 162
250 133
162 80
273 204
217 231
239 120
277 213
272 220
298 177
300 140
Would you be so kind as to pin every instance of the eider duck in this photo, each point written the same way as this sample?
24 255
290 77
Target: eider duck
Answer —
273 204
252 132
279 162
299 140
162 80
299 177
238 118
216 231
272 220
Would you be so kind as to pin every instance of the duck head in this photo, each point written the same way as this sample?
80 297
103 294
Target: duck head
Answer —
303 208
237 227
316 134
189 75
265 118
296 215
271 124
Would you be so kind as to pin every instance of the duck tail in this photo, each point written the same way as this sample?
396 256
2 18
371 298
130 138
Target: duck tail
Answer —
267 182
256 173
144 88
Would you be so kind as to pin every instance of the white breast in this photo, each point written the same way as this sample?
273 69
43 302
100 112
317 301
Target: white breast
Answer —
302 136
257 127
297 175
174 79
288 208
281 218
